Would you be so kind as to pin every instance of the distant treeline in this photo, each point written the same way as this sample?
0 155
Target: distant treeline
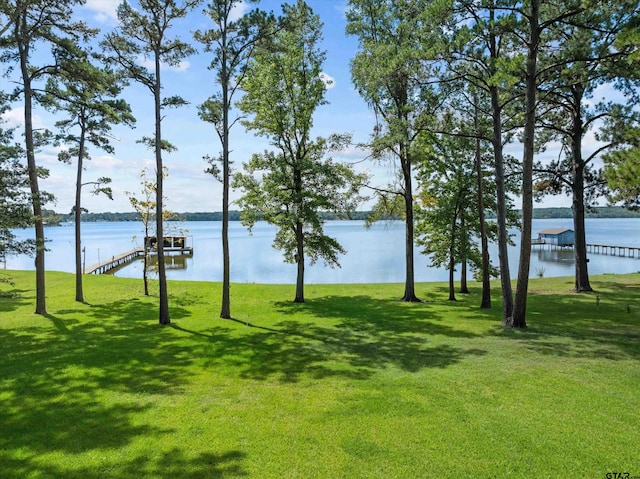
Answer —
597 212
538 213
199 216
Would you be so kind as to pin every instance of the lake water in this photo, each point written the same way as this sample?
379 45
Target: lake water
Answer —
374 255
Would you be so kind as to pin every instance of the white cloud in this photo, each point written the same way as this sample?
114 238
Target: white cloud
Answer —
15 119
354 153
238 11
329 81
106 162
104 9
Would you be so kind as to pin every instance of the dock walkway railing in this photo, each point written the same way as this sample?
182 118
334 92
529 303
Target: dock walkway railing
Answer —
622 251
114 262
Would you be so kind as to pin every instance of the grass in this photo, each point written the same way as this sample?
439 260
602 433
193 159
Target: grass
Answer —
352 384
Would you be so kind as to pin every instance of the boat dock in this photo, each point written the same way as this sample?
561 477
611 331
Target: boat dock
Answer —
114 262
620 251
172 245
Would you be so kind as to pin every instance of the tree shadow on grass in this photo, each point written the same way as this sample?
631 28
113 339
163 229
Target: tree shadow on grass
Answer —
81 381
12 299
174 464
350 337
604 324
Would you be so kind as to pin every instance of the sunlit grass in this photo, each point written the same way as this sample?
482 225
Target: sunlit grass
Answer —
350 384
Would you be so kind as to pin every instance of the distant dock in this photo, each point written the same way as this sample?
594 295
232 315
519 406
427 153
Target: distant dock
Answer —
561 238
611 250
172 245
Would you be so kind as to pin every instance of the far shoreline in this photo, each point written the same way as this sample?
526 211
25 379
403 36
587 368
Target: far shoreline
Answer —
53 218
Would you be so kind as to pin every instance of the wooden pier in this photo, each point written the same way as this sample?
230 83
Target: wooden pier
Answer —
172 245
115 262
620 251
623 251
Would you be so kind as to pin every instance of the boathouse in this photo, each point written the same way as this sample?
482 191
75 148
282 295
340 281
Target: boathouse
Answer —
556 236
170 243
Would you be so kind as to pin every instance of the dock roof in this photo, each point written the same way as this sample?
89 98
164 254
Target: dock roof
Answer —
554 231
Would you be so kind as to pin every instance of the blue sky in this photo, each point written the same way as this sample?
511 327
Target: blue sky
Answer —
187 187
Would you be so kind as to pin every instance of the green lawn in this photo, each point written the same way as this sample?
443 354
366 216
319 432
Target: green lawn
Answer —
352 384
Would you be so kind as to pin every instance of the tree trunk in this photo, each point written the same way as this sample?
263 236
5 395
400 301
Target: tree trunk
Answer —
300 262
452 267
484 242
501 208
520 306
162 278
452 257
464 289
409 284
582 283
41 302
78 219
225 309
145 266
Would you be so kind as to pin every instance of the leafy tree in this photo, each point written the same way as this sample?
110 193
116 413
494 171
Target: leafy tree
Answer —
15 210
88 95
588 59
622 170
441 227
145 206
28 24
448 224
143 32
289 187
232 43
389 72
483 52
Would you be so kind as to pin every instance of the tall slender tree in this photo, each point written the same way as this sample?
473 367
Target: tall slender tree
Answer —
291 186
589 58
232 42
27 23
484 53
144 32
537 18
389 72
88 94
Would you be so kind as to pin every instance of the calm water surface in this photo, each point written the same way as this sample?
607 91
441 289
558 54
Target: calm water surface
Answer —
374 255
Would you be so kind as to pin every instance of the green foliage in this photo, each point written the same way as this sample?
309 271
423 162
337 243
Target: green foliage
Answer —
232 43
590 57
392 68
291 186
150 143
622 170
388 207
15 201
448 224
144 203
283 86
143 32
392 72
272 193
